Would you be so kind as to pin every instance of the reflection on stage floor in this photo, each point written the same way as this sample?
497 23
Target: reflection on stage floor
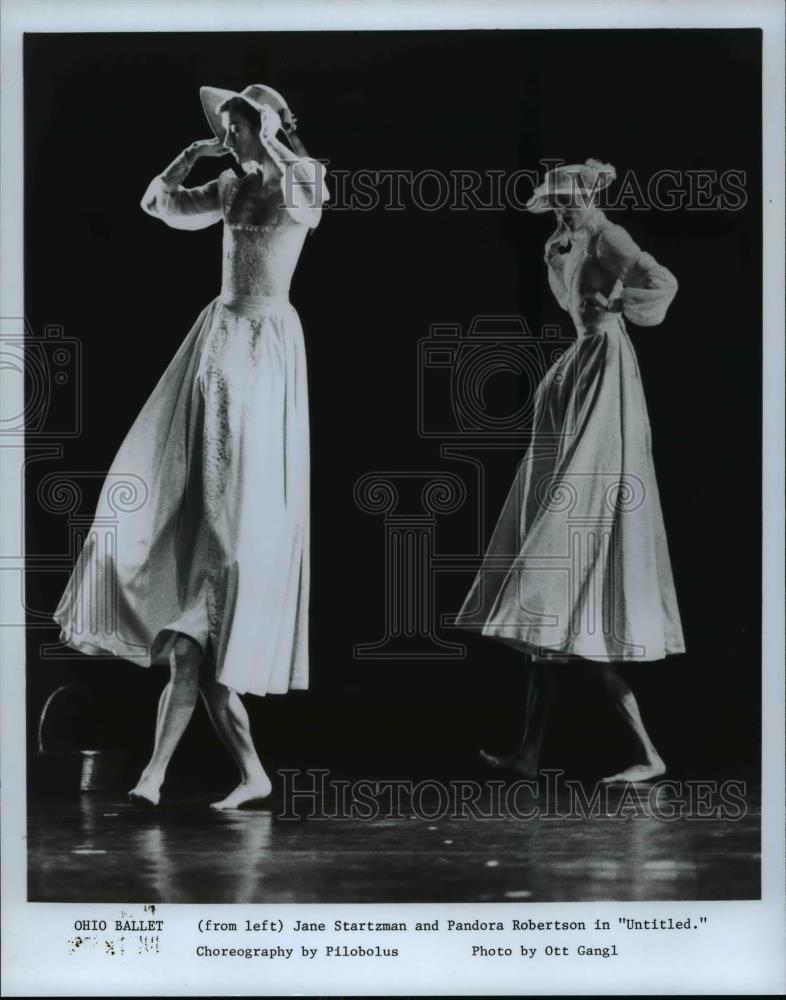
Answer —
96 847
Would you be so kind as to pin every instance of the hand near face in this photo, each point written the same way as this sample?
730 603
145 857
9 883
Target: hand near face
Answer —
206 147
288 120
270 123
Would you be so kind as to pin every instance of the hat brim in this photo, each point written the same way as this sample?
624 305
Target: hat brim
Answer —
543 201
538 205
213 97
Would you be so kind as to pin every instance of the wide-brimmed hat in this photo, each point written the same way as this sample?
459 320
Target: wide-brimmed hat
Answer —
581 180
257 95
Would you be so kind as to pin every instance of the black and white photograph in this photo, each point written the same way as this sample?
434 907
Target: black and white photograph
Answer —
395 504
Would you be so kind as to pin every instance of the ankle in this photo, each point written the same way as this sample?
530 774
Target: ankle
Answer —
254 778
152 776
251 771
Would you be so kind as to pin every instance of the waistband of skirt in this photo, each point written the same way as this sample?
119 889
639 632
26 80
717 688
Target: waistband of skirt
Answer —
600 326
255 304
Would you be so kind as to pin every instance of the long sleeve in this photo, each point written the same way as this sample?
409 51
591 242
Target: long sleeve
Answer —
179 207
308 191
648 288
302 181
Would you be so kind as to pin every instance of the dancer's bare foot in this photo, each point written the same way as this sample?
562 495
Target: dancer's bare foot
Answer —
524 766
246 793
653 768
146 792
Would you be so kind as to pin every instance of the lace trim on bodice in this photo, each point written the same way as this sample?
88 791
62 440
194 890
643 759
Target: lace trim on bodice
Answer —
247 226
284 214
259 260
229 193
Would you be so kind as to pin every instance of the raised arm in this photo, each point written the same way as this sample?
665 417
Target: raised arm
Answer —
303 183
180 207
302 178
646 287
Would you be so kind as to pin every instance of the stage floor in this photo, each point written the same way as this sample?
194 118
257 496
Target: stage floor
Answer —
94 847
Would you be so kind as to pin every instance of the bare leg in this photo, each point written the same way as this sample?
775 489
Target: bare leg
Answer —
540 691
228 715
648 763
175 708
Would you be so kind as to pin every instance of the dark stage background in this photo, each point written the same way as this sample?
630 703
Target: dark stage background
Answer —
105 113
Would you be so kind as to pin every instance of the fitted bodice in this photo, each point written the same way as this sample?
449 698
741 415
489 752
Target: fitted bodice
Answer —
259 261
576 275
259 258
265 223
599 262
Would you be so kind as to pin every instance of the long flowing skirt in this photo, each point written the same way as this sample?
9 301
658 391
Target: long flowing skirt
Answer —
202 526
578 564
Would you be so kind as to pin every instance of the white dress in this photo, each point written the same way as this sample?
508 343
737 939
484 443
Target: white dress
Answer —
578 564
217 546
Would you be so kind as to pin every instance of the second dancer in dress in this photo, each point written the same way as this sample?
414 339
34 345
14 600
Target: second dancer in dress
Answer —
578 565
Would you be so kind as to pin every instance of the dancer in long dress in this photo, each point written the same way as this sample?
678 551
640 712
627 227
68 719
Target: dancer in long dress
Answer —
209 569
578 565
